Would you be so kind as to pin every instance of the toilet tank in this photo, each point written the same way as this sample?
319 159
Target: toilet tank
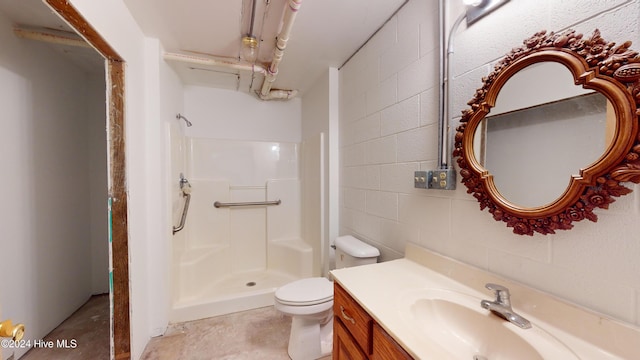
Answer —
353 252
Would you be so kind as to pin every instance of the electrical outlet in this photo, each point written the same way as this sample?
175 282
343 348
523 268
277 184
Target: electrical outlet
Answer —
441 179
420 179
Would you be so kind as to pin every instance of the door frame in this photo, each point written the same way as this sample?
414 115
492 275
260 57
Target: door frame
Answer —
119 234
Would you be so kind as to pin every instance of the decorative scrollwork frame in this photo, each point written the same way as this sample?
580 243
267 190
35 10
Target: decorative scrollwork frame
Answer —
612 70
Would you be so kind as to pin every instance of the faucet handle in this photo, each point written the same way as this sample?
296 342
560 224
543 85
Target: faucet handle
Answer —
501 292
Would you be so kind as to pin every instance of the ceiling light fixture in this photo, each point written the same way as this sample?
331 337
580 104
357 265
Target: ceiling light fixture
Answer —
472 2
476 9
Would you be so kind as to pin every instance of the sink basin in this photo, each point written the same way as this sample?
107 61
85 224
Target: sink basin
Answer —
461 329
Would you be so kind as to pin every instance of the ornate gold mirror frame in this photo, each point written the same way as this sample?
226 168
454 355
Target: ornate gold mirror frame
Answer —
610 69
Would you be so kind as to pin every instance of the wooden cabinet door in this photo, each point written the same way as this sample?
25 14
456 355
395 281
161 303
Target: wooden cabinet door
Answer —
354 318
385 347
344 346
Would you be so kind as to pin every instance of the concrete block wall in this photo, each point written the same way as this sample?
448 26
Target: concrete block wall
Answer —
388 129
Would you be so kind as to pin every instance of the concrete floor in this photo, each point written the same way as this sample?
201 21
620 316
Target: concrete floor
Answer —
255 334
249 335
88 326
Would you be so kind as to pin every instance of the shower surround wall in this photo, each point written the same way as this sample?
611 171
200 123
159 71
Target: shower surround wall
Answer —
233 258
388 117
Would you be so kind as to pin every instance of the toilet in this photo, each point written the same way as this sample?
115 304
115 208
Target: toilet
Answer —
310 302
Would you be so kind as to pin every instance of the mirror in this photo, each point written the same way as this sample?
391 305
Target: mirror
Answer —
536 117
533 153
553 132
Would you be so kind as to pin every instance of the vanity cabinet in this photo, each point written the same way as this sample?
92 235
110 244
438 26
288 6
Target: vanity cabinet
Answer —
385 348
344 346
357 336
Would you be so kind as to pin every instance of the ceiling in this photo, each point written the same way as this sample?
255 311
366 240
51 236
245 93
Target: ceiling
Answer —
325 34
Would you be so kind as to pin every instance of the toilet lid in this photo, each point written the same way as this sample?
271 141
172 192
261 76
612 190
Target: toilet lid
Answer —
308 291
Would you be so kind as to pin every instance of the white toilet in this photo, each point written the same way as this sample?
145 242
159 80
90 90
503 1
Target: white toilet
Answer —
310 301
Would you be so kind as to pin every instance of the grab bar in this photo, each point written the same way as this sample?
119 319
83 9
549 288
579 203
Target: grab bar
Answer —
184 214
218 204
185 187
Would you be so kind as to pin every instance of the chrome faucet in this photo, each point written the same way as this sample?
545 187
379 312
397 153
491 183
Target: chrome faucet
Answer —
501 306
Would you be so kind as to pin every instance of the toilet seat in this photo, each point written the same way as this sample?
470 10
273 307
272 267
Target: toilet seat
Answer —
305 292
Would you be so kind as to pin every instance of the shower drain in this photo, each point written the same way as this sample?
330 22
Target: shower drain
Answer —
251 283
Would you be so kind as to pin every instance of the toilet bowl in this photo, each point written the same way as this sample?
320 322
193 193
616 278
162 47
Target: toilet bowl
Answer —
310 302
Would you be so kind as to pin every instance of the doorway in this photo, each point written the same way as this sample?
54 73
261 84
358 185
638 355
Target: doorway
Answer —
41 166
118 234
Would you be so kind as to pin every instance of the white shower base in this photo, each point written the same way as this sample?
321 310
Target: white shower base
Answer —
225 249
232 293
209 291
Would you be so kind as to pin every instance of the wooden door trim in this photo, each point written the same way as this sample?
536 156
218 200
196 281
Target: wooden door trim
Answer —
119 281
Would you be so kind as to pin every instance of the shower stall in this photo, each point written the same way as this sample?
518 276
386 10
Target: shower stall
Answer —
242 236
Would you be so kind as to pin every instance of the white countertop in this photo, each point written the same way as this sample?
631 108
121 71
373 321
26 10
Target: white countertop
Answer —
379 287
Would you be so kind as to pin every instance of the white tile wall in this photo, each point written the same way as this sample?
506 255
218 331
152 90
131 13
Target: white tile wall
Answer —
381 151
399 117
429 106
354 155
389 129
420 75
382 95
355 199
412 147
366 128
382 204
393 177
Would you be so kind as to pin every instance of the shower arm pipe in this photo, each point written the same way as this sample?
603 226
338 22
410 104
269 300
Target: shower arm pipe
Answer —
445 77
199 60
183 218
182 117
266 93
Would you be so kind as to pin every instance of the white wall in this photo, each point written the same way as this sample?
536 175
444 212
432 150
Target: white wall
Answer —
234 115
99 223
320 114
388 117
177 144
163 103
52 117
314 168
114 22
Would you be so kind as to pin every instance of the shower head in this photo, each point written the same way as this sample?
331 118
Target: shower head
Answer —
179 116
